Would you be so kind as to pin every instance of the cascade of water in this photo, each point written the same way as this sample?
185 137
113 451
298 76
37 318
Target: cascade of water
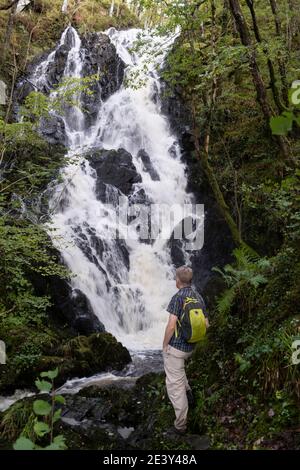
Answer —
129 302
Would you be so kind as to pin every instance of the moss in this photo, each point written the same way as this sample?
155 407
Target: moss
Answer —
17 419
99 350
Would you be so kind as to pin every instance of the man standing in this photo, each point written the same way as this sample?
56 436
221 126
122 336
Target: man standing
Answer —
176 349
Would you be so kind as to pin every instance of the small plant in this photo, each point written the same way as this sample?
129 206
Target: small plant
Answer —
283 124
248 271
46 417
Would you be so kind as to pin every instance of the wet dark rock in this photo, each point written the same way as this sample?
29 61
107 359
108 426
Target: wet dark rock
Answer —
53 129
84 319
94 249
173 150
113 167
73 307
57 66
173 106
100 57
143 155
87 355
87 241
179 244
139 197
68 305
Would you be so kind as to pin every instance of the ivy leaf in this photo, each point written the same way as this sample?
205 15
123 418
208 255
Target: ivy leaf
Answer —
41 428
43 385
23 444
41 407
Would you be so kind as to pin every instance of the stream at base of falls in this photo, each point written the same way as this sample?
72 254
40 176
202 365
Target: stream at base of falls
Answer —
143 362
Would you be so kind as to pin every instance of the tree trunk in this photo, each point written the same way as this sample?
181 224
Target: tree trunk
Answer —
271 68
281 62
293 22
203 156
210 174
256 75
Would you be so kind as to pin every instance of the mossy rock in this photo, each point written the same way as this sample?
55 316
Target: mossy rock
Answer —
77 357
16 420
95 353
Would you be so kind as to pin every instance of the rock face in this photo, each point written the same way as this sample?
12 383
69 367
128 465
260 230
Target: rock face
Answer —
218 243
68 306
98 56
114 168
73 307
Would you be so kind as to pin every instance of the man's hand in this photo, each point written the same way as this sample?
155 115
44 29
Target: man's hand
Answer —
170 328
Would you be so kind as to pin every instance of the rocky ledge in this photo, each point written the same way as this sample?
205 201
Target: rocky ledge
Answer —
76 357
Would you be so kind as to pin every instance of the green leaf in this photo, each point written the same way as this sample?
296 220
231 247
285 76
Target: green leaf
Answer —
43 385
56 416
23 444
57 444
41 428
60 399
51 374
281 125
41 407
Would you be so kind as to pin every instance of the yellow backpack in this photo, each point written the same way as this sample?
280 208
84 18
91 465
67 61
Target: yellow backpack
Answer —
192 324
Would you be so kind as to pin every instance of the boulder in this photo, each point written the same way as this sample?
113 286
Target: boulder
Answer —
115 168
53 129
88 355
71 306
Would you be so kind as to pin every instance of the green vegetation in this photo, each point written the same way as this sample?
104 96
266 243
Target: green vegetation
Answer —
46 417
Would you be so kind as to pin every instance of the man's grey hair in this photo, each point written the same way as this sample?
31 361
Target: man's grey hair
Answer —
184 274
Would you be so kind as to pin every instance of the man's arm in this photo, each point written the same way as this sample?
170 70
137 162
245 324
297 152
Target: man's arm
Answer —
170 328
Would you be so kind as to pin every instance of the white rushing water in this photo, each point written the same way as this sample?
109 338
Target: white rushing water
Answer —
133 308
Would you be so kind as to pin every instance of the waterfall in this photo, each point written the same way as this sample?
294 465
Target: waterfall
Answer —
64 7
129 300
111 10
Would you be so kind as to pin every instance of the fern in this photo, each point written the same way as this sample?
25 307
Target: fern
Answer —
247 273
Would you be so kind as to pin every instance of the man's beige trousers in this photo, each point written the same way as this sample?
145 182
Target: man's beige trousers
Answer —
177 383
